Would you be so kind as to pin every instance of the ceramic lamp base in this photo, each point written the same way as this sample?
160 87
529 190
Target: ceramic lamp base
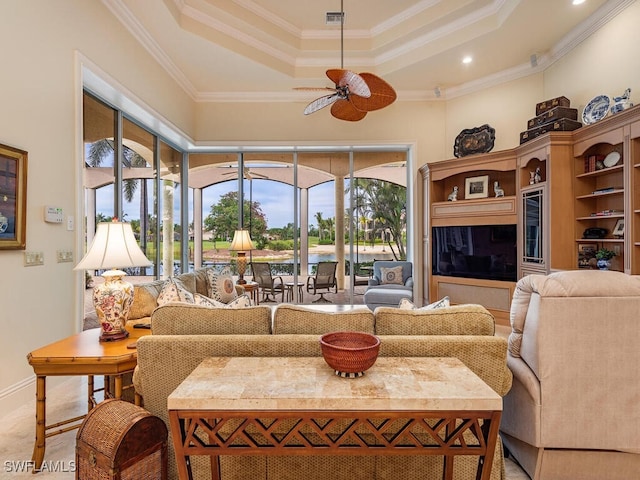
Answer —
112 301
112 337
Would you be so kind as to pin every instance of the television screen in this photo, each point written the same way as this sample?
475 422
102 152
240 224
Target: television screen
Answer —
475 251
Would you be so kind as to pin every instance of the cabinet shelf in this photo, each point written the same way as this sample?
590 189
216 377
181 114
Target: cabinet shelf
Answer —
599 240
600 217
600 173
617 191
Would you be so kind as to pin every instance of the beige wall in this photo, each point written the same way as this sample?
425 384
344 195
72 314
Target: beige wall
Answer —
39 93
40 89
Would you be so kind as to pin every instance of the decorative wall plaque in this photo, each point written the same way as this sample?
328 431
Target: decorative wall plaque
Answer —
474 140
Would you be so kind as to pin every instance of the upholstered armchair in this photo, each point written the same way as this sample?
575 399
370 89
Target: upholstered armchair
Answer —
391 282
573 411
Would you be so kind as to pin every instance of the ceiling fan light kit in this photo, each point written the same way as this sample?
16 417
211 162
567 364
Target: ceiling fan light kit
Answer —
354 94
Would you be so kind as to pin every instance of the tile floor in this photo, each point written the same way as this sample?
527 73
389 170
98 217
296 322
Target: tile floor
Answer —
65 400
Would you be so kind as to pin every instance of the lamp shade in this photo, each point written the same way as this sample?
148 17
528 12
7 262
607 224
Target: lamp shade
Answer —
241 241
114 246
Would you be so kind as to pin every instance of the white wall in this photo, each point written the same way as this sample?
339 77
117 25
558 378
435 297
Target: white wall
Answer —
39 91
40 88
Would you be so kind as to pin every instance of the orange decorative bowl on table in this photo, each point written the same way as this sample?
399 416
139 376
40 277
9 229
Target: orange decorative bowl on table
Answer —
350 354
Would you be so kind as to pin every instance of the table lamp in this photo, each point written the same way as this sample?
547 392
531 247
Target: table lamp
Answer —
114 246
241 243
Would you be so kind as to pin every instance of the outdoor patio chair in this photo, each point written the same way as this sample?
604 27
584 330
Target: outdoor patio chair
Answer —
324 279
269 285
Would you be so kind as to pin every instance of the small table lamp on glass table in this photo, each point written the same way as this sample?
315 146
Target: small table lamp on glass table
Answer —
241 243
114 246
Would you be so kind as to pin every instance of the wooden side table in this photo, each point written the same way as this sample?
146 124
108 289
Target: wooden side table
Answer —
80 354
252 289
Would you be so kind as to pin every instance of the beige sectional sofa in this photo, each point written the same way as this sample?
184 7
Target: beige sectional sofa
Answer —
574 350
145 295
183 335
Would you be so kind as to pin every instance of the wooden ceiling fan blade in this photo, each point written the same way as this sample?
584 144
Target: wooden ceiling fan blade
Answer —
314 89
344 110
346 78
320 103
382 94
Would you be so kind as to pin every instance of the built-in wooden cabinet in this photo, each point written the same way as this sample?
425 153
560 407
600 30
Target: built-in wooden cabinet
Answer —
607 190
545 214
578 187
493 215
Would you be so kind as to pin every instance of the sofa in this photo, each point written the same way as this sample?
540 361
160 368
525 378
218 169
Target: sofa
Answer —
391 281
574 409
201 281
183 335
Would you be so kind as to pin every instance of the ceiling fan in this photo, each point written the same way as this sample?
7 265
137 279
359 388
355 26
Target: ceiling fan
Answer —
354 95
247 173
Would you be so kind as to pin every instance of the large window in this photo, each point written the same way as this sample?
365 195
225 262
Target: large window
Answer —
299 207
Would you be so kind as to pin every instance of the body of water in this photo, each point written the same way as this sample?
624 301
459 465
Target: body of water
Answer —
359 258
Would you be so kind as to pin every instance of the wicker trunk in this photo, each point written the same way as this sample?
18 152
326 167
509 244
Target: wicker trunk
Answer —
120 441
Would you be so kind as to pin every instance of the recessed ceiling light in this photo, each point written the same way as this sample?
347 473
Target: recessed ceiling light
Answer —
467 59
578 2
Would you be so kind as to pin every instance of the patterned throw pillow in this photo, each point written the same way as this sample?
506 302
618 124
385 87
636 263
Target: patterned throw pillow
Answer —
203 301
241 301
220 285
406 304
174 291
391 275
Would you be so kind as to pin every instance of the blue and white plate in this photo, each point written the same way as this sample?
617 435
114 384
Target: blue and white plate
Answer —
596 109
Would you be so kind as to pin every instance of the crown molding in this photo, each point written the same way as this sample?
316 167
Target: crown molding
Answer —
131 23
498 7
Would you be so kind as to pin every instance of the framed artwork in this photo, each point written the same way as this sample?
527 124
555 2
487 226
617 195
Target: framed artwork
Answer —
586 252
618 230
13 198
476 187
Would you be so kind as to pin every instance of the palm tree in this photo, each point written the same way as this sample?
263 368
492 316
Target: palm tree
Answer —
101 149
321 222
384 201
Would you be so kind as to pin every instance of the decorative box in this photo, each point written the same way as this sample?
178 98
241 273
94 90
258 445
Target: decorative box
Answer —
562 125
555 113
552 103
121 441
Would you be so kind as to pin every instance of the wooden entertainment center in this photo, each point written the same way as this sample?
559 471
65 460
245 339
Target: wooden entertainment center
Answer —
555 187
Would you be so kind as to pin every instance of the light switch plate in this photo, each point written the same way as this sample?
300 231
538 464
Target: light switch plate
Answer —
64 256
32 259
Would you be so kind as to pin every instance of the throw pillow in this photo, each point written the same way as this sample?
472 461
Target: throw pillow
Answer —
406 304
241 301
203 301
220 285
174 291
391 275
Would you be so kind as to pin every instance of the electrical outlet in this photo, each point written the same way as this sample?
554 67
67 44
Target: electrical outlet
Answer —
64 256
70 223
32 259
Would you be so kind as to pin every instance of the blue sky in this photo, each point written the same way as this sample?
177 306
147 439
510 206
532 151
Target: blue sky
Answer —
276 200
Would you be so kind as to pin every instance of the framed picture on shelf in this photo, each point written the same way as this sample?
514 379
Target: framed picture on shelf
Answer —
618 230
586 252
13 198
476 187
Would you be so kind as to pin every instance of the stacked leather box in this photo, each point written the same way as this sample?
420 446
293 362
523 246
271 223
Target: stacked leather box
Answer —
554 115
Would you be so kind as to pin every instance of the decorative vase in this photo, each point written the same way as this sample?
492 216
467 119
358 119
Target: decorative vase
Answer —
112 300
603 264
